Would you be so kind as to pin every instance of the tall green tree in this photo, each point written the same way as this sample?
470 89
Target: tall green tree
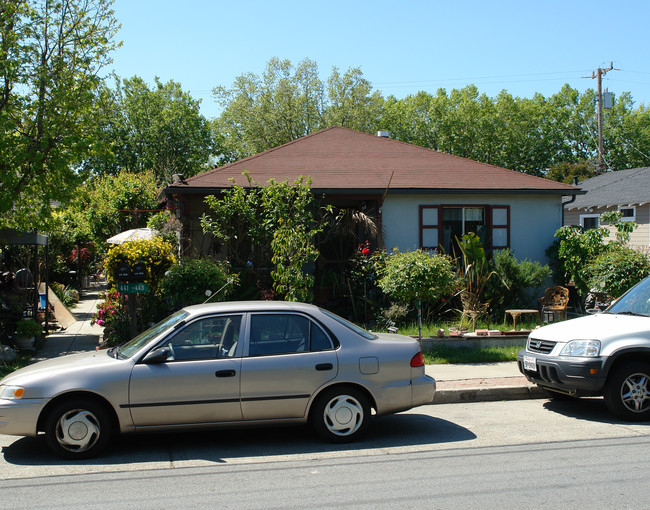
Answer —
51 56
110 204
527 135
287 102
159 129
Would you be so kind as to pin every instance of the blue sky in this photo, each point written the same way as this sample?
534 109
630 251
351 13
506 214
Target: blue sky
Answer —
521 46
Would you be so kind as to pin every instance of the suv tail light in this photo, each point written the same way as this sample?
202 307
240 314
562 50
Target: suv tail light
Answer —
417 360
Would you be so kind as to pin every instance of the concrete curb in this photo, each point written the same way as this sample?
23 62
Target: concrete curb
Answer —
489 394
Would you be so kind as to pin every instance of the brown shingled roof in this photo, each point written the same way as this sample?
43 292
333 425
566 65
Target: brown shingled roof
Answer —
342 160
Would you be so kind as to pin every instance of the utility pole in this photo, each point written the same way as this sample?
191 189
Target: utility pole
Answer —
599 75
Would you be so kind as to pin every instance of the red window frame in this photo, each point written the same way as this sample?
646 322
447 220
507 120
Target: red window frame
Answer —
489 212
430 226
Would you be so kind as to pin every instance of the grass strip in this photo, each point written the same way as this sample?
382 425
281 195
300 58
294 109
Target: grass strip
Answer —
441 355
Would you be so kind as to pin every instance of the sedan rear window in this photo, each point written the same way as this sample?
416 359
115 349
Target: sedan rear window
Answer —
359 331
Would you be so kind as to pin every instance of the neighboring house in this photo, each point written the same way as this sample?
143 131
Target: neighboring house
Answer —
627 191
422 198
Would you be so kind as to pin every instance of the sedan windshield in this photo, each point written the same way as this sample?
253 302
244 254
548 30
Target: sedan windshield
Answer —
132 346
635 301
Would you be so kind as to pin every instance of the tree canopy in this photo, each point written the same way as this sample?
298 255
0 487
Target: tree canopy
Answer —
51 55
159 129
533 135
287 102
108 205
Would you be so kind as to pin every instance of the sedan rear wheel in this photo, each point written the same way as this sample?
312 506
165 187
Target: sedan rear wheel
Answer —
341 415
627 392
77 429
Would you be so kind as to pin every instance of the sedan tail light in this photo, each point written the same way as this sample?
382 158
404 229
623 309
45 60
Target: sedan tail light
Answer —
417 360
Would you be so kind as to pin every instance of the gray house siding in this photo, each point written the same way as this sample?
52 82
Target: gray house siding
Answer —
533 219
639 239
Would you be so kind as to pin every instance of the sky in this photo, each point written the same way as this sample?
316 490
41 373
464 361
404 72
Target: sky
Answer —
402 47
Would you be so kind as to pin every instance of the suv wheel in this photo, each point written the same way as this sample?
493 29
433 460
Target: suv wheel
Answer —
627 391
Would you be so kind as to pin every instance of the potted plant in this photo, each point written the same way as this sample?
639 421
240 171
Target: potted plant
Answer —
26 332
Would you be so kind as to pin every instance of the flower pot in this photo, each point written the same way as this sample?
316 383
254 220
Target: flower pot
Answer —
25 342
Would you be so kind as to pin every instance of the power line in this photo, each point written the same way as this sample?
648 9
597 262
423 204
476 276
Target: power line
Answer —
493 77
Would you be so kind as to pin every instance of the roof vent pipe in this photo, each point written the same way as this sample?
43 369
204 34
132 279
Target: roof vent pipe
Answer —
383 134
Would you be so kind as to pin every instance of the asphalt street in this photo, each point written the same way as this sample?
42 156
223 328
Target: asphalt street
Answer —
508 454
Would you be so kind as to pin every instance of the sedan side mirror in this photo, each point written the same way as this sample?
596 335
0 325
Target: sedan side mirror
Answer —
159 355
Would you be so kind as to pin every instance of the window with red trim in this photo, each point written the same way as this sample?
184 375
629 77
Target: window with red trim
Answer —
429 227
441 224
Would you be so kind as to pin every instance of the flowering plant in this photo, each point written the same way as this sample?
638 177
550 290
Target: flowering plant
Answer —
113 316
156 254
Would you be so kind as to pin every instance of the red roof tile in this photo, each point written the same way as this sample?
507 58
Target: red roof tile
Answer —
342 160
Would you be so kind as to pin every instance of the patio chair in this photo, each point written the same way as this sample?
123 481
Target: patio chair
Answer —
556 300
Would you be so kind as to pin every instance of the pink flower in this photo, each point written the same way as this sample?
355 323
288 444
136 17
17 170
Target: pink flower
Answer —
100 322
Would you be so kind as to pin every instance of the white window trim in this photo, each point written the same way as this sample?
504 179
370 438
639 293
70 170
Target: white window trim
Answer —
583 216
629 218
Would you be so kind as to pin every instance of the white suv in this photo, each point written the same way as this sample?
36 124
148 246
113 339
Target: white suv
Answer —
604 354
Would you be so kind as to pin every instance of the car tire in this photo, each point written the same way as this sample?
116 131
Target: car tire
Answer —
78 429
341 414
627 391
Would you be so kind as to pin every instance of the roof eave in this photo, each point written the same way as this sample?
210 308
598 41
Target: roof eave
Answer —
203 190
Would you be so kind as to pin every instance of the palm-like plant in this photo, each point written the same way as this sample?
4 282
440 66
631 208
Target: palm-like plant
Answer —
474 278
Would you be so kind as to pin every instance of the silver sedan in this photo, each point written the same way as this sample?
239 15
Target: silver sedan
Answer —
221 364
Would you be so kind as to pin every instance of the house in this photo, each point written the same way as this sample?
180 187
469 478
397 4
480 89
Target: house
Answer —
421 198
627 191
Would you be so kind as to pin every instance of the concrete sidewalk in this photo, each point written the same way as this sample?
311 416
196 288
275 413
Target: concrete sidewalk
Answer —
80 336
455 383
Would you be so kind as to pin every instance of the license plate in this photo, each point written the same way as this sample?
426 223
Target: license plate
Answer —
530 363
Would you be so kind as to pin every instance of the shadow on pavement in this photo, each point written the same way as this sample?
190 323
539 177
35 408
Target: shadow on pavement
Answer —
218 445
589 408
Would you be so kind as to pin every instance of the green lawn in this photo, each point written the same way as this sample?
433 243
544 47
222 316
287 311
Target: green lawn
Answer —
431 330
444 355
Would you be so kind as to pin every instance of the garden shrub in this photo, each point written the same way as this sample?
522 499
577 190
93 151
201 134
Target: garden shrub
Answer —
293 248
517 284
64 293
364 271
416 275
617 270
187 283
571 253
156 254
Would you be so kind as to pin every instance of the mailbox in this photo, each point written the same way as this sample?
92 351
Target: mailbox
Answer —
123 272
139 272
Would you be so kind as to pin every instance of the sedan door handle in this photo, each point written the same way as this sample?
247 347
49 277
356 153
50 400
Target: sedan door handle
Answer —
225 373
321 367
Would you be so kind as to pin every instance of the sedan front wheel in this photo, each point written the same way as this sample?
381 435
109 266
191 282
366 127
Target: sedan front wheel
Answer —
77 429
